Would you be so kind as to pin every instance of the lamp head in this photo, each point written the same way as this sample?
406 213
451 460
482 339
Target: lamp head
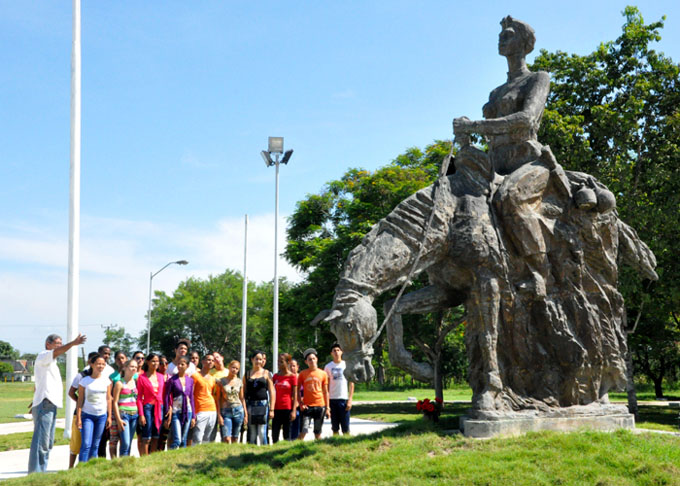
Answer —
275 145
286 156
267 158
181 262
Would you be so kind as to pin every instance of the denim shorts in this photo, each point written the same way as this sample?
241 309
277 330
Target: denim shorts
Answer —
233 419
315 414
150 431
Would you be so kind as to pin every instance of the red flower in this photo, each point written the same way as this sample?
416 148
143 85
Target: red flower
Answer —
439 400
430 407
427 400
419 405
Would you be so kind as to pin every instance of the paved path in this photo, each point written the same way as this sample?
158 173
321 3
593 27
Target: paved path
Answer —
14 463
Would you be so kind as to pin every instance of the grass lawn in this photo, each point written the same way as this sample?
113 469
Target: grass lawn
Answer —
363 393
413 454
22 440
645 392
14 399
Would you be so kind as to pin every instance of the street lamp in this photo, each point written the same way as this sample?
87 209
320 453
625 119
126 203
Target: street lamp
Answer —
276 148
148 316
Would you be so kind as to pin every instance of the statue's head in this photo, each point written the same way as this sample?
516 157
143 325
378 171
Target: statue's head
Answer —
517 37
354 323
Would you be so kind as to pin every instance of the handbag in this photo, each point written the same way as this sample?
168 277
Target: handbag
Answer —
258 414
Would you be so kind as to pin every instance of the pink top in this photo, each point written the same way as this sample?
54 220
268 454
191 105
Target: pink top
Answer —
146 394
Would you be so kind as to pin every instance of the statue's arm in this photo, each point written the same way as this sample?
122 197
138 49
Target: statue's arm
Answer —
523 119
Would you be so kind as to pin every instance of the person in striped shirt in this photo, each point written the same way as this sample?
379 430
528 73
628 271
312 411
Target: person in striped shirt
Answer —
125 406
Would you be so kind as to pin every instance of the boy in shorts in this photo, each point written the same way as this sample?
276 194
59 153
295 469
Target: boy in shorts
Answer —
314 398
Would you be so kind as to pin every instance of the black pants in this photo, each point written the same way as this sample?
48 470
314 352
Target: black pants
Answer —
102 444
281 420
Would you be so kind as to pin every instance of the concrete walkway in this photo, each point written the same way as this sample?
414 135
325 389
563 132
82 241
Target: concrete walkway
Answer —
13 464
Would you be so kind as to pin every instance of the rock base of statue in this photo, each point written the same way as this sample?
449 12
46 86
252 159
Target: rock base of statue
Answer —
568 419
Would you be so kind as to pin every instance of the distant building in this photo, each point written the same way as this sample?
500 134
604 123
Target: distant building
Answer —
21 370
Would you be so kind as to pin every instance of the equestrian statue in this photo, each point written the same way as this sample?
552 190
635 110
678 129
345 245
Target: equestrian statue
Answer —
531 250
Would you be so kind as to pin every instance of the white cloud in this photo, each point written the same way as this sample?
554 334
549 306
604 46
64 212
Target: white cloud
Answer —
117 257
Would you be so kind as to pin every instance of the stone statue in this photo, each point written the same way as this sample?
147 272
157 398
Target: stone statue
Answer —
530 249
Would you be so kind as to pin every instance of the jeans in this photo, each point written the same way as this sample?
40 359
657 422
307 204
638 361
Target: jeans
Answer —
180 431
205 423
339 415
257 430
233 419
281 422
127 433
44 423
92 431
150 431
295 426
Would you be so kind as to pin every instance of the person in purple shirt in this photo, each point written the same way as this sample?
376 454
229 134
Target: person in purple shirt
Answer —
179 404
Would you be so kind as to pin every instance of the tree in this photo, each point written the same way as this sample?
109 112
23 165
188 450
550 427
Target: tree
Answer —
615 114
208 312
6 368
117 339
7 351
325 227
445 350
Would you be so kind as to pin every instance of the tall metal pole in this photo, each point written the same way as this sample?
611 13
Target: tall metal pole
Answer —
275 345
148 317
74 214
244 308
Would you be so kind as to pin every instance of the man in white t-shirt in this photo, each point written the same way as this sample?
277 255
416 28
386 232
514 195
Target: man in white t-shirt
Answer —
340 390
181 349
47 398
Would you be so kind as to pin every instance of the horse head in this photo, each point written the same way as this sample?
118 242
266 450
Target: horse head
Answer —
354 325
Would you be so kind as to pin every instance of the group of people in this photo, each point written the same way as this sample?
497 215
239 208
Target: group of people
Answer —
182 402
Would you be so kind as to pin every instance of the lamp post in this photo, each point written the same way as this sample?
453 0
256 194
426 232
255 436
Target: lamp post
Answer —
148 316
275 148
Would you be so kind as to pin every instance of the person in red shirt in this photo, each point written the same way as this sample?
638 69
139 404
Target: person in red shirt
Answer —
314 404
285 383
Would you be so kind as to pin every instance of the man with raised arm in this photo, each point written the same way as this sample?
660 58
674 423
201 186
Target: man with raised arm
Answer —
49 395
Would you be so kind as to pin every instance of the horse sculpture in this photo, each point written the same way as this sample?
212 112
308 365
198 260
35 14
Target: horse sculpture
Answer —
530 250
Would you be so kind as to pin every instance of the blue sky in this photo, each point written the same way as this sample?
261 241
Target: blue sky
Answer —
178 100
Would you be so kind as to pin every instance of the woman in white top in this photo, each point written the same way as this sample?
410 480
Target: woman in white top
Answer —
94 407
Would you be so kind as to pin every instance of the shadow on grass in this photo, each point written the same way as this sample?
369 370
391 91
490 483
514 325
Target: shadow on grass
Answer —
280 457
658 415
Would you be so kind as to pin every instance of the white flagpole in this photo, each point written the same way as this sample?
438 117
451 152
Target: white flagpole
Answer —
74 217
244 308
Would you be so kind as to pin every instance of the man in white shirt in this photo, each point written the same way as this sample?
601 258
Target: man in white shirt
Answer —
340 390
47 398
181 349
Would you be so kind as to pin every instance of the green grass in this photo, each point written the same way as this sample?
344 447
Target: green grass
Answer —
15 398
658 418
645 392
416 453
407 413
371 394
651 417
22 440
